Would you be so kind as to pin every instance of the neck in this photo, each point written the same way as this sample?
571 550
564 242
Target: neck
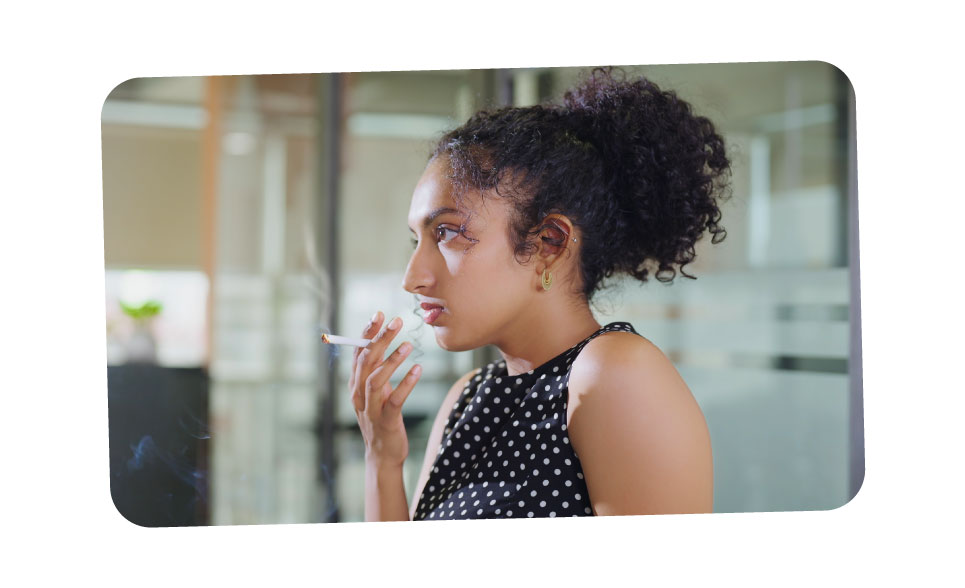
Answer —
543 333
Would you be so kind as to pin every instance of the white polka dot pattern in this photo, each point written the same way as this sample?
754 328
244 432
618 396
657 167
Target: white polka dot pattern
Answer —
519 466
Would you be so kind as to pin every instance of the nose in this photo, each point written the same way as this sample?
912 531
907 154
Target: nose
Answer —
418 275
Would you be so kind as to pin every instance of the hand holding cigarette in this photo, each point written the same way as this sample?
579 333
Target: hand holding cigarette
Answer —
378 407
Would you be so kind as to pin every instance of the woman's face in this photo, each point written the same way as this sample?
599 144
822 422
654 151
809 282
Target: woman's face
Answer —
463 264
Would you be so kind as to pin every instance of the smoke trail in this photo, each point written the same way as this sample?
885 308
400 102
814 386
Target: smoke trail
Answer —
417 350
318 282
143 453
146 452
332 351
198 429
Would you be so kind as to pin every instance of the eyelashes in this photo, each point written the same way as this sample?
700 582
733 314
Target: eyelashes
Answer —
440 233
462 231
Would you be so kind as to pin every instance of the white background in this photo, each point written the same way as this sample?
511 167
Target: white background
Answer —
60 62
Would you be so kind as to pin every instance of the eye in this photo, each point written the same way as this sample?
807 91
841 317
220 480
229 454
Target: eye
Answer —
445 234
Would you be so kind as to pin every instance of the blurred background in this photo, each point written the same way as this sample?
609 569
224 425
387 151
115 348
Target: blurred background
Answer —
244 214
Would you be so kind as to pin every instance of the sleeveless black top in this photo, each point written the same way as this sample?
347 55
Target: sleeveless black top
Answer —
505 452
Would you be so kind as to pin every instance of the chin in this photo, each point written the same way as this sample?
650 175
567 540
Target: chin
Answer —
445 340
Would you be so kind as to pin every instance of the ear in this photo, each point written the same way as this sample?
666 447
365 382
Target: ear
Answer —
554 239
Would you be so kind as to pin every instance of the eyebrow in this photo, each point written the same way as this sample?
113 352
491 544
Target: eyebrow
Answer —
435 214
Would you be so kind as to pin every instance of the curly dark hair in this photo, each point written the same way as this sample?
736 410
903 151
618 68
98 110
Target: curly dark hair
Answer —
629 164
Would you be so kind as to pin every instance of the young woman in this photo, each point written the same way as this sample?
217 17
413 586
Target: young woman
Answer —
520 215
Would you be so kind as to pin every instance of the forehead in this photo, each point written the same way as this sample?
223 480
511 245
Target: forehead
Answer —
434 192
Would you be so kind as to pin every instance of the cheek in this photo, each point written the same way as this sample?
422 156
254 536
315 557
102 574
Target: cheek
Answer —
455 262
490 282
477 270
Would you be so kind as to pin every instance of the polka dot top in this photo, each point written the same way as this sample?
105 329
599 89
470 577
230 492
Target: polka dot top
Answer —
505 451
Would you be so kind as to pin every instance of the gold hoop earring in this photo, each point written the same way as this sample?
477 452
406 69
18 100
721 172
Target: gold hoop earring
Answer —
547 279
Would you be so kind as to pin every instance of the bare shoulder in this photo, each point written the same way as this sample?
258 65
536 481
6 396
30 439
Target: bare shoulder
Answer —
620 376
655 455
619 360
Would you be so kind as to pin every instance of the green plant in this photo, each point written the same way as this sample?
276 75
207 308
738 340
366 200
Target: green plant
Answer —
144 311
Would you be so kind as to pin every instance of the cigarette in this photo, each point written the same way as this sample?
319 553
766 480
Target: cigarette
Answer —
337 340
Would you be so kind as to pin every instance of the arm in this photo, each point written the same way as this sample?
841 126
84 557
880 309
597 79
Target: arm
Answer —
378 409
384 492
385 498
640 435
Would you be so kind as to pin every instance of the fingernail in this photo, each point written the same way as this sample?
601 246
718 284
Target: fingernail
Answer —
405 349
395 324
416 370
375 316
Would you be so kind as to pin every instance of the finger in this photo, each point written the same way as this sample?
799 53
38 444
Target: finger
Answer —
380 375
375 323
368 331
359 373
360 378
358 396
371 357
358 401
399 395
376 381
373 400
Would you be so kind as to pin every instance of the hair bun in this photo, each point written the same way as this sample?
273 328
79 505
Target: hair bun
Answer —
664 163
630 164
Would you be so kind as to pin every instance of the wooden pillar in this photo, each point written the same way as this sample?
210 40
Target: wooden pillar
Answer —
210 165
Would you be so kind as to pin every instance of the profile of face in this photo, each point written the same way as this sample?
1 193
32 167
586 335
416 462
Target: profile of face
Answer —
463 271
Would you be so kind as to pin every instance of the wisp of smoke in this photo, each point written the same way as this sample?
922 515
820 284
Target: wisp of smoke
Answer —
318 282
146 452
198 428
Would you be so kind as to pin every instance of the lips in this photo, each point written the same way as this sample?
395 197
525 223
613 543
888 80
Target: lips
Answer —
431 312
